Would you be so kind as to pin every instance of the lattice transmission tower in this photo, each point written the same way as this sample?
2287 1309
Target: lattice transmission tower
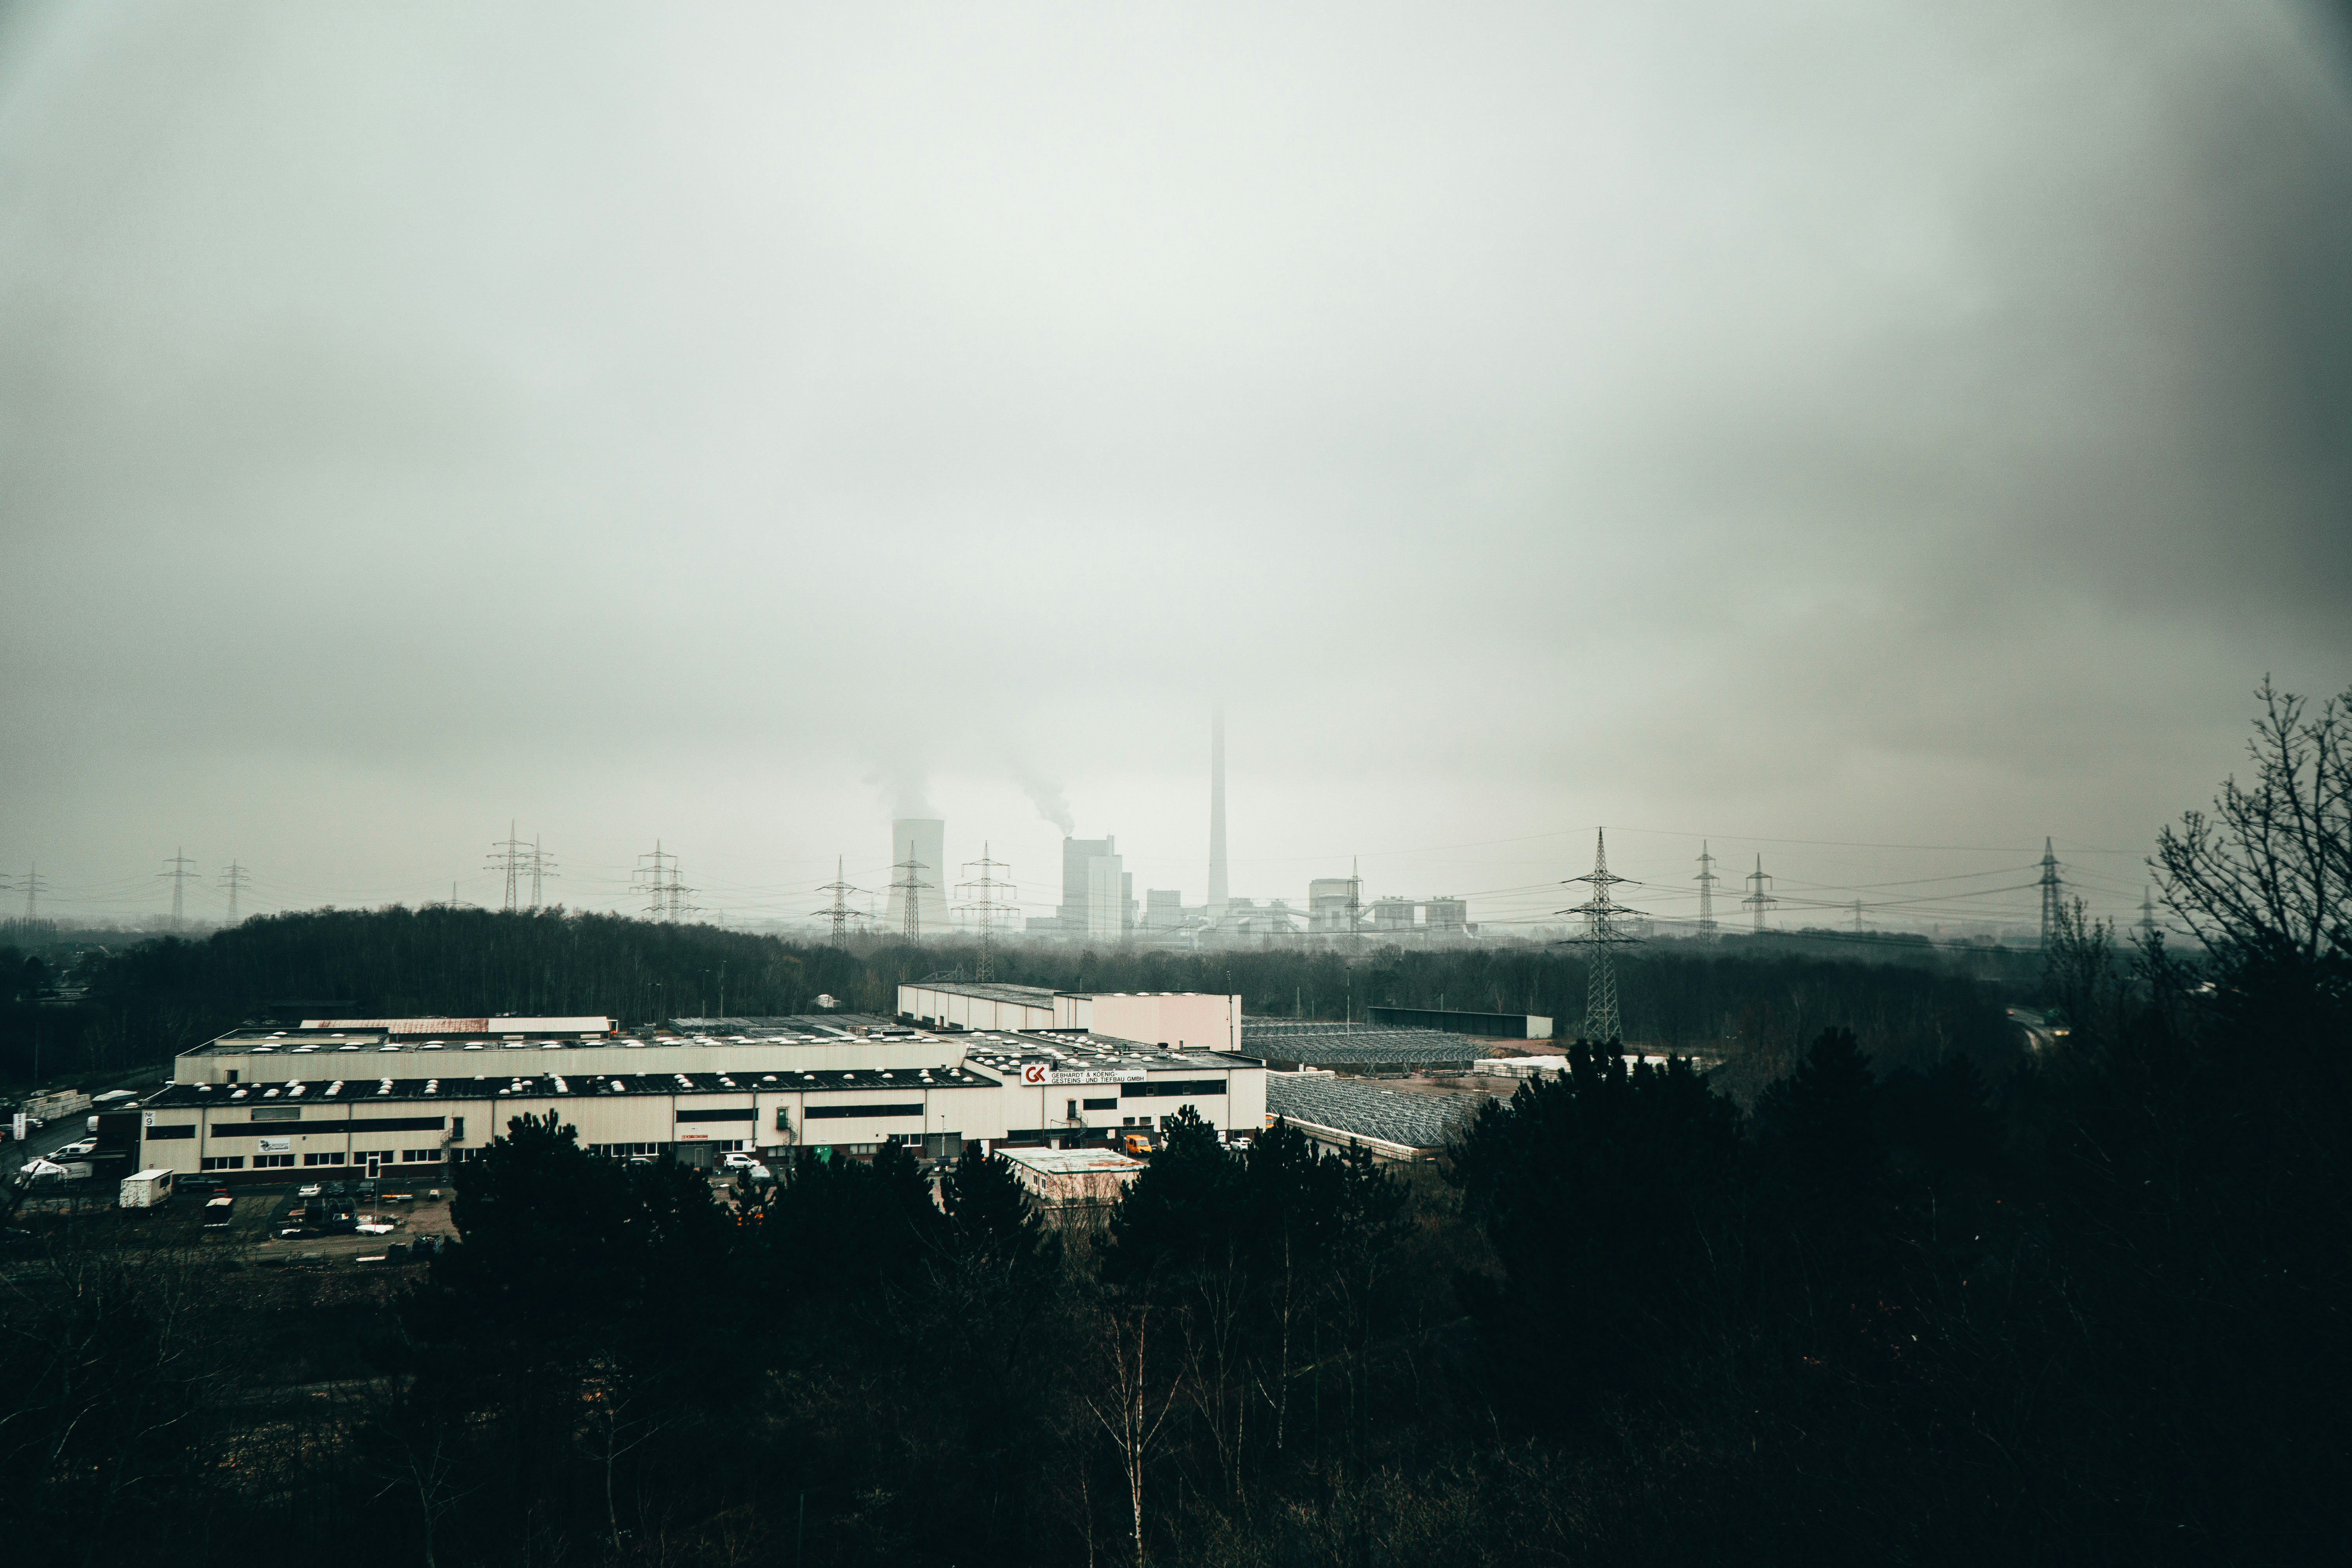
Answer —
1706 880
233 881
666 895
986 906
1759 897
911 884
511 857
177 871
839 908
2054 895
2149 931
34 886
542 866
1602 1025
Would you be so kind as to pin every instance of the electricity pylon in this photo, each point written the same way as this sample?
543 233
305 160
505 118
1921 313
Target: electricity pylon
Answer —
665 893
1706 880
234 881
1602 1025
1758 900
34 886
987 907
2054 895
178 869
839 908
542 865
511 855
911 885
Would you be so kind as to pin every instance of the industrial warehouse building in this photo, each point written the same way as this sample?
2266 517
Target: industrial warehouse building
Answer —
1179 1020
384 1096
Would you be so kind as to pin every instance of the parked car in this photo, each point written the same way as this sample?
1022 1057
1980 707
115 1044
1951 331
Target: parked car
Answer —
73 1151
335 1189
307 1190
737 1162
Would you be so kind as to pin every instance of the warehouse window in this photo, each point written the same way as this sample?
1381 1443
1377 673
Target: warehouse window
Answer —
1102 1105
322 1159
1184 1086
420 1156
187 1132
222 1162
822 1112
277 1113
271 1162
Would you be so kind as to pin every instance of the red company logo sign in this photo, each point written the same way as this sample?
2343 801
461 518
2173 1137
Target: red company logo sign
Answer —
1037 1072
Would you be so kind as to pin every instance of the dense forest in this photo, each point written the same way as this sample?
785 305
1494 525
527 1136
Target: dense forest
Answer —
2089 1310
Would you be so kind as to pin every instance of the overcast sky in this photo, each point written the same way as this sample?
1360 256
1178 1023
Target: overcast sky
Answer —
1810 426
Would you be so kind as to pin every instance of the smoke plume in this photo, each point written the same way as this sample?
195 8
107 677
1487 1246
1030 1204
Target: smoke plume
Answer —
1051 804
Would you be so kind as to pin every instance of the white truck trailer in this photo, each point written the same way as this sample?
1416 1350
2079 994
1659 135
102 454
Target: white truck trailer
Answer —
145 1189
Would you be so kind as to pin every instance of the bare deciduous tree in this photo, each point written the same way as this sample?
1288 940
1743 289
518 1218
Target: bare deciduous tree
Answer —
2268 876
1133 1400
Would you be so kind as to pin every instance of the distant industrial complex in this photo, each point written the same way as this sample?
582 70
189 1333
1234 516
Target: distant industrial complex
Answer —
1099 902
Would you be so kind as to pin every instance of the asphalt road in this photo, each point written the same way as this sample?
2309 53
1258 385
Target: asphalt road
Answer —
2039 1035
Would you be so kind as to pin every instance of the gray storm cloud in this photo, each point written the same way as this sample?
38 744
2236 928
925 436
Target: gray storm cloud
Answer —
1912 423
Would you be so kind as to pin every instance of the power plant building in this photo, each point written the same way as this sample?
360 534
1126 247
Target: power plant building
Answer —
1331 904
1097 894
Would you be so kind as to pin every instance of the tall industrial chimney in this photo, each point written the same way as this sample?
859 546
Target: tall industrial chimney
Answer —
1217 812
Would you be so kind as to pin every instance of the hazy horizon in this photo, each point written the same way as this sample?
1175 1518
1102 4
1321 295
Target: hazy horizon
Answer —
1877 438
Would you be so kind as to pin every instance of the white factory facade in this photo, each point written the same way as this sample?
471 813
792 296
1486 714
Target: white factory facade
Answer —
406 1098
